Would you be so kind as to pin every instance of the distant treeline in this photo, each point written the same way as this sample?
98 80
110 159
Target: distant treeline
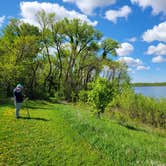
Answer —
149 84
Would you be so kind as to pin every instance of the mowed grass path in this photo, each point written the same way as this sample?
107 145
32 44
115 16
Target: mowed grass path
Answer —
59 134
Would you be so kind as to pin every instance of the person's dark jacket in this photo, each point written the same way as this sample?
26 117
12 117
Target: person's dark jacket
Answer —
18 96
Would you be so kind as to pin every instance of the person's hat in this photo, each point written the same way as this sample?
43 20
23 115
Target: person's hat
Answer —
19 86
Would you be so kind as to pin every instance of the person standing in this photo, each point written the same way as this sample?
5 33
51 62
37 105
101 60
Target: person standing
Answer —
18 98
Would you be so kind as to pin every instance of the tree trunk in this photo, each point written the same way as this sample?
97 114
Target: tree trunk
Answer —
50 70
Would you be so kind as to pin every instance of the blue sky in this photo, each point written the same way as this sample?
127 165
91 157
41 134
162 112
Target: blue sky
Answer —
138 25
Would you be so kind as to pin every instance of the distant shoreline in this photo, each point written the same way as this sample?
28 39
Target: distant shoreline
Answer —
148 84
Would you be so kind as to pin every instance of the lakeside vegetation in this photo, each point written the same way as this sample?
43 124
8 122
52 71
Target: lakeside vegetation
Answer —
149 84
125 105
67 134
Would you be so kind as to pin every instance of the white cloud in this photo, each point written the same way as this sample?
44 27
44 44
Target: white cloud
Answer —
131 62
132 39
156 5
87 6
143 67
125 49
113 15
2 20
29 10
157 33
131 70
160 49
158 59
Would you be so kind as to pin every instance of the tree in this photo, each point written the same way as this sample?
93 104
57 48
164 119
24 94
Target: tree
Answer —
60 57
76 42
46 22
20 46
109 47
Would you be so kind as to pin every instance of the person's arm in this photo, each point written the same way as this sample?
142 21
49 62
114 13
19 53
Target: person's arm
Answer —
14 95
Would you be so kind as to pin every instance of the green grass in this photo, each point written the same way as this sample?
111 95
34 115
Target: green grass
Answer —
63 134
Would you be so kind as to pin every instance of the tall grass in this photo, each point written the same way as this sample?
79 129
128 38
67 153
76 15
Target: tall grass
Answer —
145 109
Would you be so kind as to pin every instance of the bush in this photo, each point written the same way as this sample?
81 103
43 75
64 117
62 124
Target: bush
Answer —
100 94
83 96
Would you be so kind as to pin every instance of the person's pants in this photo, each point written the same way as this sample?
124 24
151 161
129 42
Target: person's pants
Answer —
18 106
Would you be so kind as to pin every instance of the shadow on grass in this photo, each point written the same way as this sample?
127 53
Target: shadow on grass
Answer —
30 118
130 127
36 107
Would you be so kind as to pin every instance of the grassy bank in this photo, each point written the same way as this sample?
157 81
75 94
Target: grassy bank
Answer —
63 134
149 84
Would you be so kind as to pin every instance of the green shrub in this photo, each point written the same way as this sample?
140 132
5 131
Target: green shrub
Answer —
100 94
123 100
83 96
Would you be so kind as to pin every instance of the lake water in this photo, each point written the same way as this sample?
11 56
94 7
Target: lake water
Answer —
152 91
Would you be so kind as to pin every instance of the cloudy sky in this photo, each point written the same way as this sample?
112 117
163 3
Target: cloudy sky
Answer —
138 25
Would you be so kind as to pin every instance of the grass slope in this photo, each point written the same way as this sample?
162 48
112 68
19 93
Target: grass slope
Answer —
59 134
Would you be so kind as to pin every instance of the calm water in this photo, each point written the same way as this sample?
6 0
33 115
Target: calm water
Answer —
152 91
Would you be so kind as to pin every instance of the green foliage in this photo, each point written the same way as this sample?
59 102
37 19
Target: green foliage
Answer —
100 94
123 99
61 57
20 45
109 47
145 109
83 96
